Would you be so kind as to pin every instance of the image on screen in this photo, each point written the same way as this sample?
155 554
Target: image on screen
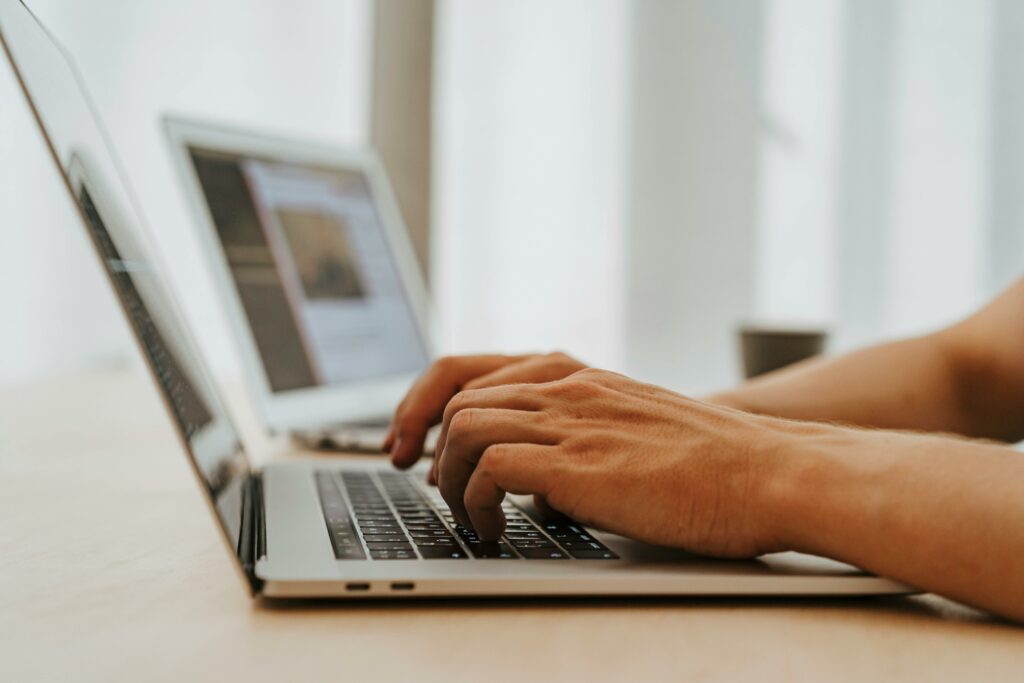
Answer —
324 257
311 265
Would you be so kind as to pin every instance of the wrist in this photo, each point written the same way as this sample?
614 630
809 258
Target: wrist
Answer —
727 399
819 474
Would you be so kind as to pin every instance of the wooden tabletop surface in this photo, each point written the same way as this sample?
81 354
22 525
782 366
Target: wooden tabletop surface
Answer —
111 569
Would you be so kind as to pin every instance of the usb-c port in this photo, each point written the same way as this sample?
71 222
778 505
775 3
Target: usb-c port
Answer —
397 586
357 586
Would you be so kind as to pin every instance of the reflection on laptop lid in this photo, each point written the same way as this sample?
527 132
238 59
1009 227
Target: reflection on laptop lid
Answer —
79 147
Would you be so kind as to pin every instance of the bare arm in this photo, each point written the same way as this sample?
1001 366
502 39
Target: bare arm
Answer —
967 379
944 514
941 513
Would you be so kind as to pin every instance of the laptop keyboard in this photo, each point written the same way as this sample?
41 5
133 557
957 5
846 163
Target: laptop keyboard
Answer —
391 516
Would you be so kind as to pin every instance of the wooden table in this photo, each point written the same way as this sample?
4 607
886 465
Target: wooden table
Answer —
111 569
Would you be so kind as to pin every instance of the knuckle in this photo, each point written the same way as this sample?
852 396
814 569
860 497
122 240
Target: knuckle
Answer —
446 364
493 458
578 388
563 361
591 374
590 443
461 422
457 403
460 402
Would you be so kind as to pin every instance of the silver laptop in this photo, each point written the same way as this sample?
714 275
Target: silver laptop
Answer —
315 270
330 527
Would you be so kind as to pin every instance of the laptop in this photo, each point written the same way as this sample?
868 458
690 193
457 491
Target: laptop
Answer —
332 527
317 275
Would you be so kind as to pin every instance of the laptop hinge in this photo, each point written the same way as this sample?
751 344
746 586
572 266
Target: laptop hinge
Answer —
252 539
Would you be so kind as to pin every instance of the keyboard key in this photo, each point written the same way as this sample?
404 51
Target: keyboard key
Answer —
388 545
397 537
524 534
491 551
428 542
573 546
442 553
340 529
393 555
429 533
338 522
543 553
519 544
349 553
594 555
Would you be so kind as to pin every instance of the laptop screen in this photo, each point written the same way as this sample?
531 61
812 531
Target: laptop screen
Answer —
79 146
310 262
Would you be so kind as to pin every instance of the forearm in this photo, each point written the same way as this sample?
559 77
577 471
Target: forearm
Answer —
907 384
942 514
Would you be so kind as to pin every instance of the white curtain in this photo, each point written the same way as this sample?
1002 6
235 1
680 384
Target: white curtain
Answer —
624 180
879 164
530 169
631 180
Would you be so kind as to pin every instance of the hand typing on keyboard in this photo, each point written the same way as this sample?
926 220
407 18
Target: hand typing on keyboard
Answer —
861 458
613 453
424 405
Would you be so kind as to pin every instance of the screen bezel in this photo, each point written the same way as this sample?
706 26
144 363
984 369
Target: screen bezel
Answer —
322 405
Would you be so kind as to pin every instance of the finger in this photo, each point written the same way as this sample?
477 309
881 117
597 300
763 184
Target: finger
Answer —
505 468
389 439
432 474
423 406
473 431
531 370
511 397
545 509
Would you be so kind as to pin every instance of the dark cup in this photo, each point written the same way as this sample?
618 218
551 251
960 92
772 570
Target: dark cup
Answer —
767 348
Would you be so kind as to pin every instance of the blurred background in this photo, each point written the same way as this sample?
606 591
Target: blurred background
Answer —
625 180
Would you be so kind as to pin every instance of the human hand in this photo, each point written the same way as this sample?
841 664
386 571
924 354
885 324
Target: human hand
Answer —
423 406
613 453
